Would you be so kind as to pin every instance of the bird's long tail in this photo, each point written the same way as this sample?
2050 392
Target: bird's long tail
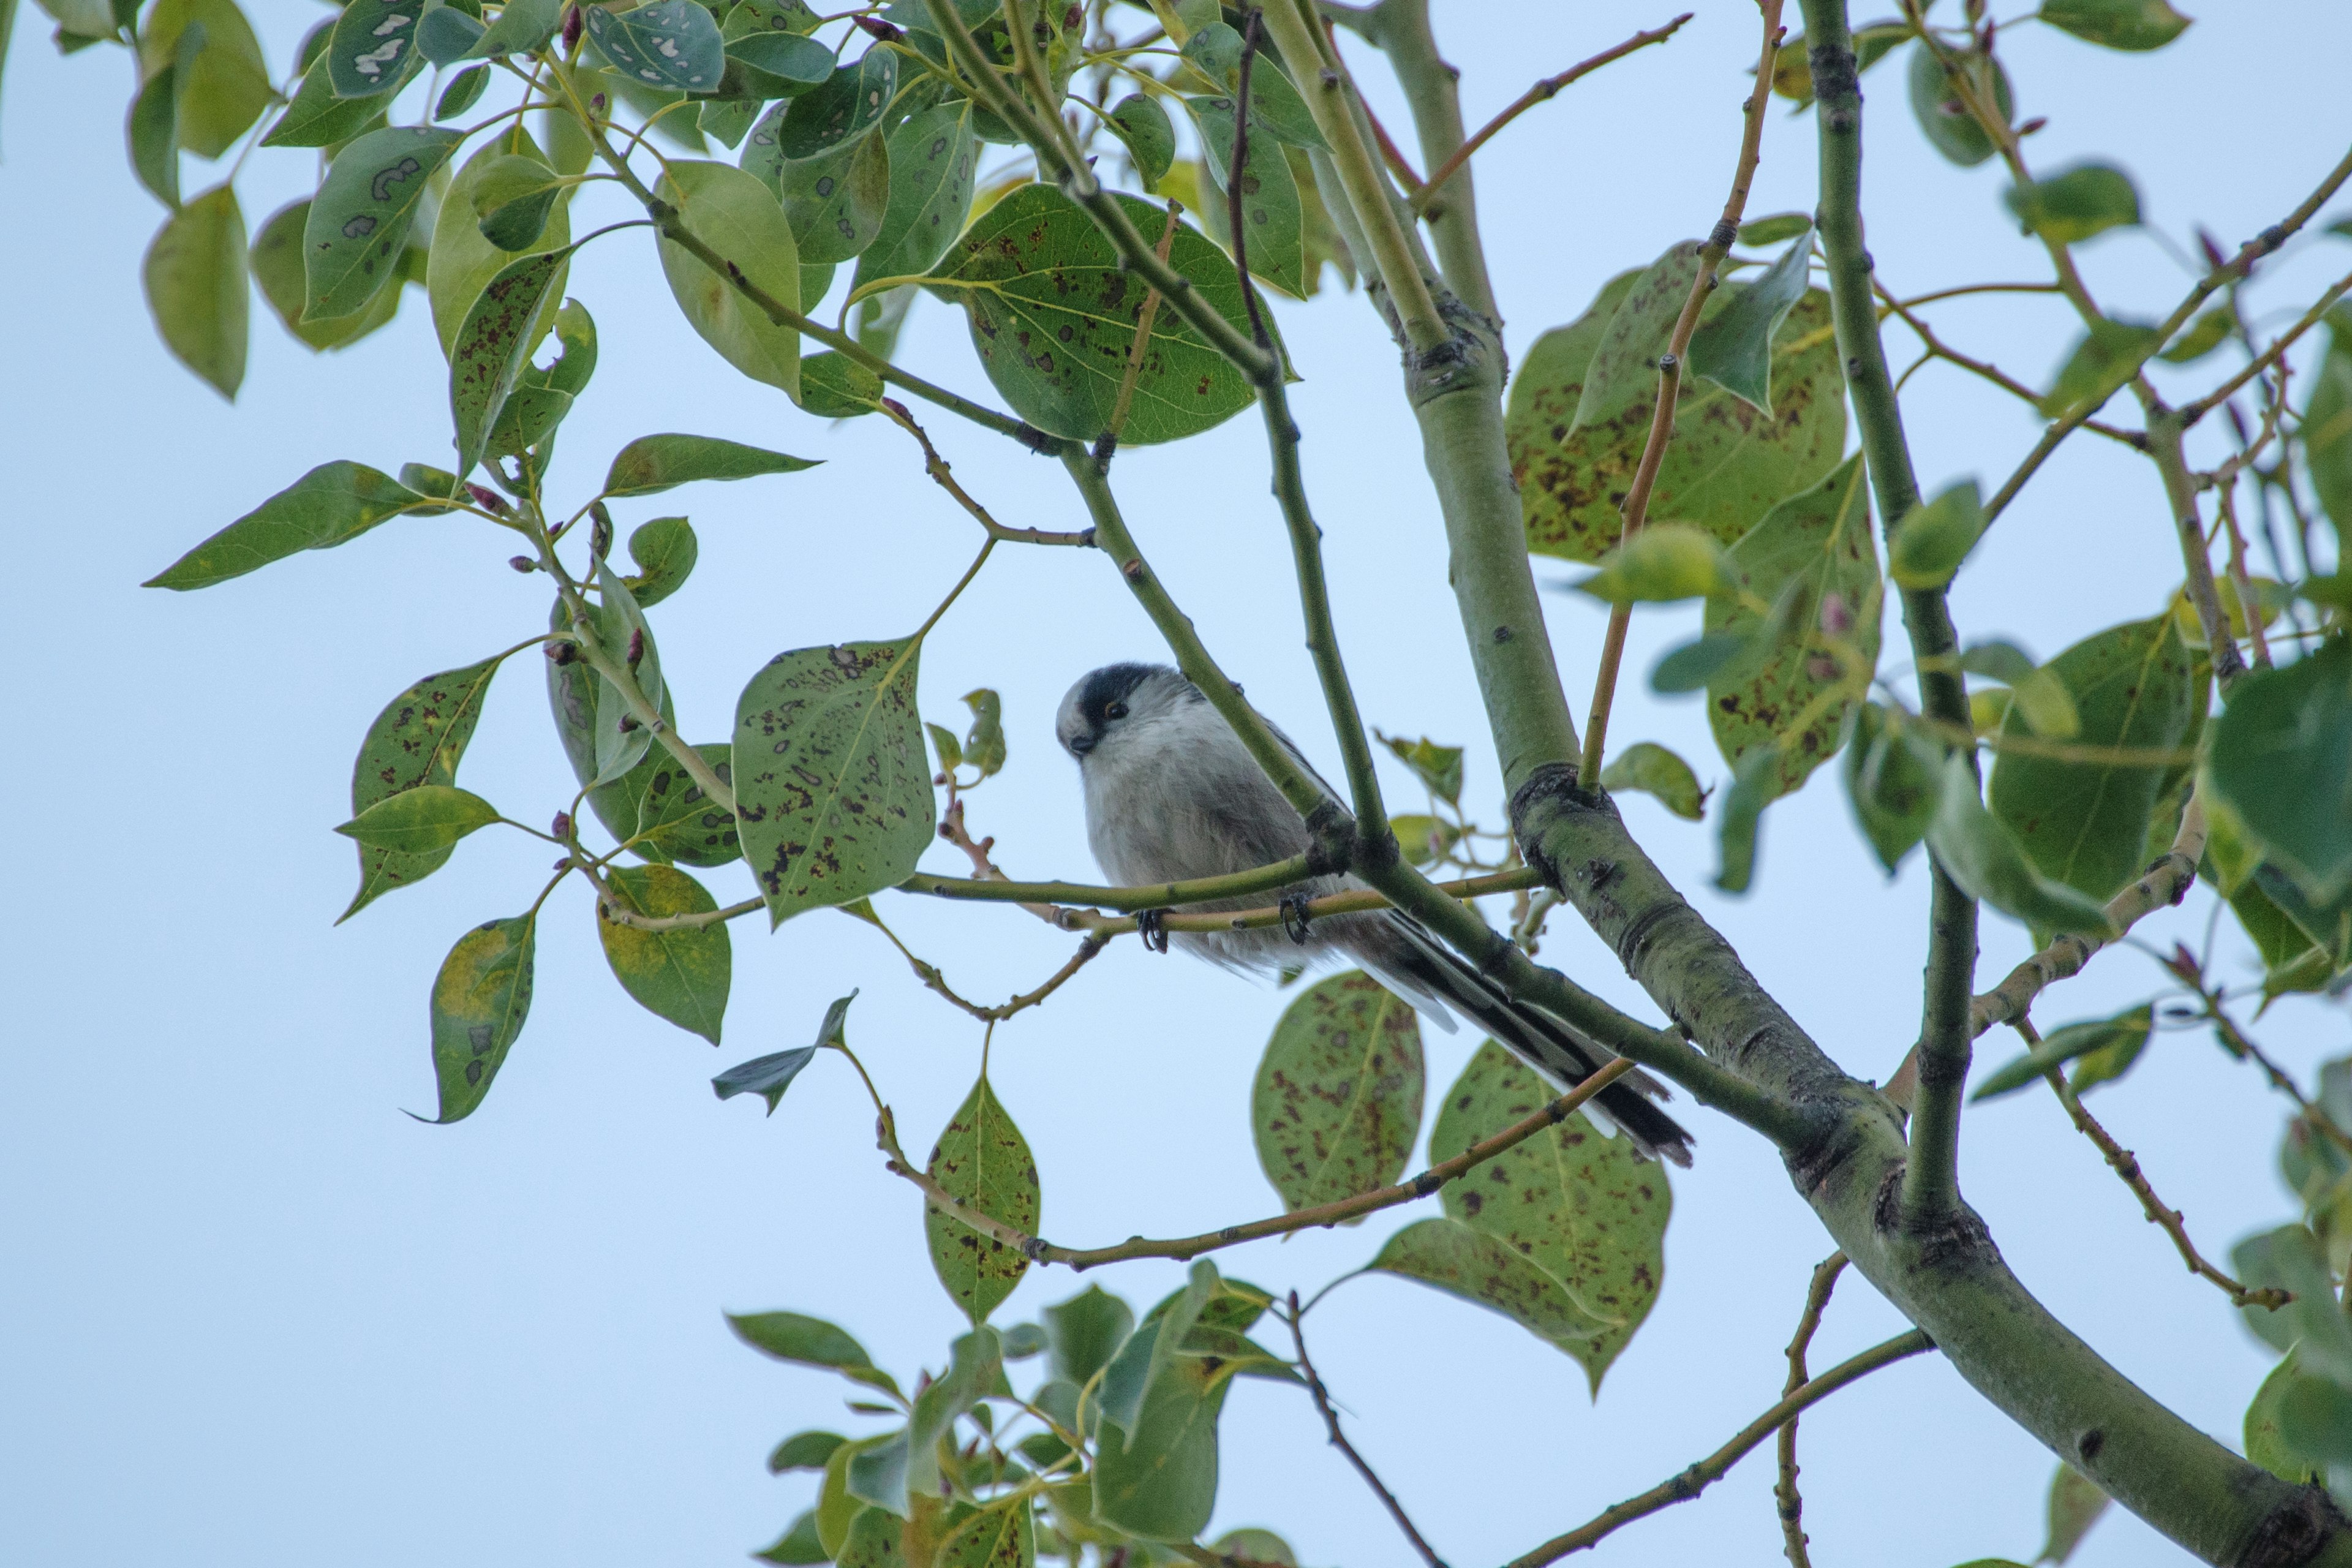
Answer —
1413 963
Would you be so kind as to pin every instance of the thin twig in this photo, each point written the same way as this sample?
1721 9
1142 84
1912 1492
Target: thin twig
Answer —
1340 1441
1237 219
2197 408
1321 1216
2164 426
1543 91
1136 350
2127 1165
1670 370
944 476
1791 1503
1937 349
1689 1483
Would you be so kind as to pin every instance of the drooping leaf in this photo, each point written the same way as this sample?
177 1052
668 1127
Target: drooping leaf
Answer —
1979 854
2097 366
2085 823
830 783
1585 1209
737 217
521 29
976 1365
622 739
1084 1332
1664 562
1156 1477
1733 348
1336 1104
1275 236
2074 204
1817 544
1053 312
1893 779
2313 1325
933 158
1622 369
358 222
421 820
798 1547
682 974
1944 114
195 275
1142 127
463 262
809 1342
1469 1263
416 741
221 84
668 44
330 505
1933 538
2118 23
480 999
651 464
982 1160
276 260
2281 759
1653 770
1755 785
2075 1504
492 347
2264 1435
1729 464
2063 1046
665 550
804 1451
153 131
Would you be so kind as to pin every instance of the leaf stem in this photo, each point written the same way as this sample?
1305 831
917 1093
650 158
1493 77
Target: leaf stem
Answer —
1322 1398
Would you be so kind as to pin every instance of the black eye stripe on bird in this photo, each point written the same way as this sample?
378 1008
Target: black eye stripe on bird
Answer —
1172 794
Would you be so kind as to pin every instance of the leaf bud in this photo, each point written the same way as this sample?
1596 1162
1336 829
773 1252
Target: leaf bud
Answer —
564 864
2033 125
523 564
636 646
487 497
875 27
562 827
561 652
2215 255
600 537
629 722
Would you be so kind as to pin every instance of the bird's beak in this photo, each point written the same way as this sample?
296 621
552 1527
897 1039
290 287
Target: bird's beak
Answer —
1081 744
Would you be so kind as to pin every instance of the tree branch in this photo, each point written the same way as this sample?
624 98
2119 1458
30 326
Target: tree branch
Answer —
1790 1504
1339 1440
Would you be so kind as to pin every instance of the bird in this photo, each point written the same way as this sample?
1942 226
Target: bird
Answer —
1171 794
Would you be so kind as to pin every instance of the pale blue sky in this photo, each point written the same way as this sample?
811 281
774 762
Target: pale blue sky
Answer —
255 1315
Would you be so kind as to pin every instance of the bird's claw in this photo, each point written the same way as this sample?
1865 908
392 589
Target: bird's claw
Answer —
1151 925
1295 917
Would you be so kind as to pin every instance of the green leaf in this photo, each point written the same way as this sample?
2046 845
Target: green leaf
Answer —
1451 1256
807 1341
1979 854
1760 232
849 105
1733 348
415 741
1894 777
1931 541
480 999
1258 1545
621 740
1655 771
2265 1438
982 1160
2040 695
831 784
770 1076
2075 1504
1084 1332
1022 1341
2118 23
1424 840
1623 367
420 820
873 1534
2098 365
1944 116
2071 206
1439 768
1755 785
153 131
669 44
1000 1537
1276 239
1793 71
736 216
541 397
834 201
798 1546
681 975
359 222
1215 51
1664 562
275 260
195 275
804 1451
462 262
1703 660
444 34
665 550
2281 760
1142 127
791 56
513 196
1729 464
221 84
976 1365
2327 430
651 464
1337 1103
1054 311
492 347
2200 337
317 118
933 158
332 504
949 749
2063 1046
835 386
983 744
1587 1210
370 52
2313 1325
2085 823
1814 547
2109 1061
1156 1477
521 28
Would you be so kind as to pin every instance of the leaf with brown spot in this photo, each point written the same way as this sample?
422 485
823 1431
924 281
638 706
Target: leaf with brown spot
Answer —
358 223
981 1159
493 347
1728 465
831 784
1454 1257
480 999
1000 1537
1585 1210
416 740
1337 1106
1815 543
681 975
461 262
738 217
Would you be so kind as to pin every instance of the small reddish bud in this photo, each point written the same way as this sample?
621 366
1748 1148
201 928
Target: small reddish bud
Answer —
636 646
629 722
1073 19
897 408
563 863
2033 125
2214 255
876 27
561 652
562 827
596 104
523 564
487 497
572 22
1836 618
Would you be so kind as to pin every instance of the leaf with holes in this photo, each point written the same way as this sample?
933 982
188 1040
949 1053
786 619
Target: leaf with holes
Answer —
737 219
1336 1104
1728 465
1587 1210
681 975
1053 314
492 347
480 999
1816 544
982 1161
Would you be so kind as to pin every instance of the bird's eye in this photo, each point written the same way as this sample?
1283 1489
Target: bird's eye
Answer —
1116 711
